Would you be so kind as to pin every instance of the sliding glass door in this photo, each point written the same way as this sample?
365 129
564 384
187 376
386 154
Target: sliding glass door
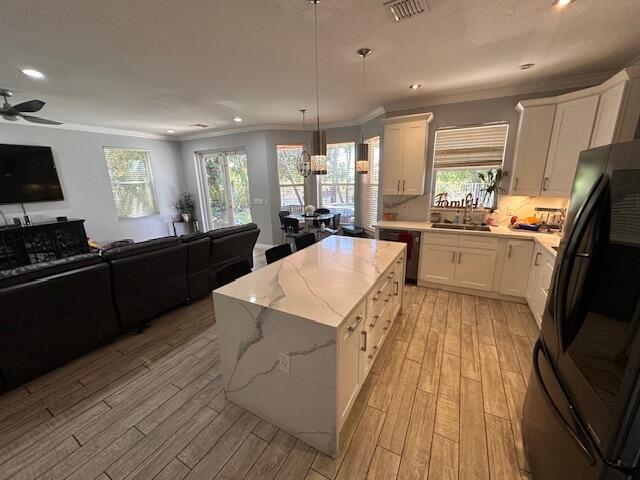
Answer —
224 183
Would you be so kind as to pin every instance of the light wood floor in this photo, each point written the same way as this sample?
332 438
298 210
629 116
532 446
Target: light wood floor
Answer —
443 402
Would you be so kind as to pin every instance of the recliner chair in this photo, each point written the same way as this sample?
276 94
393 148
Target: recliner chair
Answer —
53 312
229 246
198 248
148 278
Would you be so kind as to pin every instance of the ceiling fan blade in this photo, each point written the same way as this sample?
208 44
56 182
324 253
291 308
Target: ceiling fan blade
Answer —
32 119
30 106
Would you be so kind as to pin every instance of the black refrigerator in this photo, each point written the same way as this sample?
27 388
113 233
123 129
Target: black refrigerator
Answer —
581 418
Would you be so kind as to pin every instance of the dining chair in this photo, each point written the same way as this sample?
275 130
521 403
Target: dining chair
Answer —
296 208
291 228
321 211
305 240
282 214
335 228
276 253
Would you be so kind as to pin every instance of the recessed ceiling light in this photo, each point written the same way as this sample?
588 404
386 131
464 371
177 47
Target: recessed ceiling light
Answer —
415 86
30 72
170 131
527 66
237 119
561 3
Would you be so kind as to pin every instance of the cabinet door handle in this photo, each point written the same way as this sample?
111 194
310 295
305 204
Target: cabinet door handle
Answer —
398 188
364 347
403 183
453 257
515 187
459 257
396 287
535 263
544 183
510 248
354 326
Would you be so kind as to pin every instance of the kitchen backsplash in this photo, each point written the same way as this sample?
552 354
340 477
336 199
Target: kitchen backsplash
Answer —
417 208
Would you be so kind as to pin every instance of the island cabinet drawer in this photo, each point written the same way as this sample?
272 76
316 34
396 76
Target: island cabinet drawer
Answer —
479 241
432 238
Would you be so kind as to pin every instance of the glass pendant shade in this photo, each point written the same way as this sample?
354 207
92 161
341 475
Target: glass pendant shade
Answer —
362 159
319 155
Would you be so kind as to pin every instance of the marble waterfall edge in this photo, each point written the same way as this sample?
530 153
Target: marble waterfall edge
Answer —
301 402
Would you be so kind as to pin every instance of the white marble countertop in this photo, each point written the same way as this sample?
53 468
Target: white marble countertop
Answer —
547 240
323 283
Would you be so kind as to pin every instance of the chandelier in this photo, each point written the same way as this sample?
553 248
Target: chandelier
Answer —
304 160
319 155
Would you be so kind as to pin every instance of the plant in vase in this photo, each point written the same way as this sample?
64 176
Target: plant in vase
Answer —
185 204
491 189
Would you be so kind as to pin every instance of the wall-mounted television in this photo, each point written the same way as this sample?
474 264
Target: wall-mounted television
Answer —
28 174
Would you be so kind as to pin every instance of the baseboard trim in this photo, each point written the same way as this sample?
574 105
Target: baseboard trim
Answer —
471 291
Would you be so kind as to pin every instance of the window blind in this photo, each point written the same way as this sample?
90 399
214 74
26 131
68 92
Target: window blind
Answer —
336 189
468 147
290 180
131 182
369 187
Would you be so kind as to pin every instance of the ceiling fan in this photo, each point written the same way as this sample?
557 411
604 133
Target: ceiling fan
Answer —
16 112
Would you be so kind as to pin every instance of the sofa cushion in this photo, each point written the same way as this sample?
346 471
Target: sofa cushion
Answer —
138 248
35 271
223 232
192 237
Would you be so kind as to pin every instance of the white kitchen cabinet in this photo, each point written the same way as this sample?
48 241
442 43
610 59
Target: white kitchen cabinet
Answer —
572 129
609 111
475 268
349 373
438 263
540 276
404 159
515 272
532 146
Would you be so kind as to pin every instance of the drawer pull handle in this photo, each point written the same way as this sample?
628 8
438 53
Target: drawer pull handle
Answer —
364 347
354 326
510 249
535 263
453 257
515 187
371 325
459 257
544 184
396 288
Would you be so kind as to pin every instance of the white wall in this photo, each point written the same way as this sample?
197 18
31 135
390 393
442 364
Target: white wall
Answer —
85 182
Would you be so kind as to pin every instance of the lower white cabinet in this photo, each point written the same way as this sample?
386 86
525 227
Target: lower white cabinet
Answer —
350 373
515 272
540 276
475 268
438 263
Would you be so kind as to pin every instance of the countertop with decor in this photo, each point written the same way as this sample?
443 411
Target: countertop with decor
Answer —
547 240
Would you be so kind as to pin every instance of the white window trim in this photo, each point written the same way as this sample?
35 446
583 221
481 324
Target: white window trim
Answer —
280 185
363 185
151 182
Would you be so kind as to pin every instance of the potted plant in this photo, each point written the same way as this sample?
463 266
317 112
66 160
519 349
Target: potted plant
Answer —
492 180
185 205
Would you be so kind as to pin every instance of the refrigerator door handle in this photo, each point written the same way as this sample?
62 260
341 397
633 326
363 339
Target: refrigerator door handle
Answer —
594 200
537 349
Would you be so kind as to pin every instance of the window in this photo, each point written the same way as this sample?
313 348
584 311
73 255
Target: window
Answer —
460 154
224 181
336 189
369 187
131 182
289 178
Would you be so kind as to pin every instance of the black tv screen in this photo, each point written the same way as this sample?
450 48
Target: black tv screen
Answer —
28 174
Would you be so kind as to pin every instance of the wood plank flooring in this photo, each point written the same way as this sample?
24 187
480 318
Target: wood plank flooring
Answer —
443 401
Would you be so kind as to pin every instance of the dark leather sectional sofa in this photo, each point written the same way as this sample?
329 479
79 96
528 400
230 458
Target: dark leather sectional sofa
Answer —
53 312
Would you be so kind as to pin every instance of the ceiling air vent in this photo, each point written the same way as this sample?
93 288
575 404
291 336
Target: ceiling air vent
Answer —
403 9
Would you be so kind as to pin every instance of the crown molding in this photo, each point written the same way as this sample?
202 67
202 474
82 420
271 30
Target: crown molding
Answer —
371 115
78 127
577 81
634 61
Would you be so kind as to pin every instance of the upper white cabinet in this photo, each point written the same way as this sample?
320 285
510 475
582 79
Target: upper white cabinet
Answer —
571 134
515 273
534 135
553 131
404 160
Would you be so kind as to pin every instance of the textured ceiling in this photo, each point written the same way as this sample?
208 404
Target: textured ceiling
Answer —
151 65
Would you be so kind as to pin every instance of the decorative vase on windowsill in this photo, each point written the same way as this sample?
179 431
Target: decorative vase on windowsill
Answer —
185 205
492 189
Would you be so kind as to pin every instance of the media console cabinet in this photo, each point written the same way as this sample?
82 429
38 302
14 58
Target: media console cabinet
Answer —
41 242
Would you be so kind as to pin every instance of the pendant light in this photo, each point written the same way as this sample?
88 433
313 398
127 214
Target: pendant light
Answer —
304 160
319 154
362 158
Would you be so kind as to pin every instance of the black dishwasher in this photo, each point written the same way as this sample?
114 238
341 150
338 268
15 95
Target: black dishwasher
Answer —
412 239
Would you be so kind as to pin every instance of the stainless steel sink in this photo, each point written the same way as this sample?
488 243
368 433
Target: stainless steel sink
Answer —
457 226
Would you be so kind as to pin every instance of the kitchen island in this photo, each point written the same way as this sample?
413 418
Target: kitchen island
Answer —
298 337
